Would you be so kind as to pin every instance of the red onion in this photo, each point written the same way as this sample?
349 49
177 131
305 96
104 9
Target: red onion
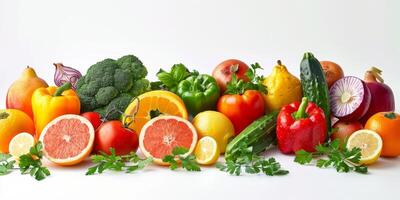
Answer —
382 98
65 74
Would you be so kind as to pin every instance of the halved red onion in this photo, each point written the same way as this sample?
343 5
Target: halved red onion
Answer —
349 98
65 74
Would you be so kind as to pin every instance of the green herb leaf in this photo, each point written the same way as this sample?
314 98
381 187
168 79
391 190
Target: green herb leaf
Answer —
336 155
303 157
31 163
236 86
186 162
179 151
128 163
245 159
170 80
6 165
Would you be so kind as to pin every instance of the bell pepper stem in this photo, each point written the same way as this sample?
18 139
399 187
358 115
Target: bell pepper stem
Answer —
61 89
301 113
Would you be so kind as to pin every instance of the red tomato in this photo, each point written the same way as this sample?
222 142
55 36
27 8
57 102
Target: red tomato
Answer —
94 118
113 134
243 109
223 72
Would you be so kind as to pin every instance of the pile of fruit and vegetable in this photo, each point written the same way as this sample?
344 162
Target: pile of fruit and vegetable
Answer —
123 122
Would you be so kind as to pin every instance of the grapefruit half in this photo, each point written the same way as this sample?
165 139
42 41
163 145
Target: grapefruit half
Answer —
67 140
161 135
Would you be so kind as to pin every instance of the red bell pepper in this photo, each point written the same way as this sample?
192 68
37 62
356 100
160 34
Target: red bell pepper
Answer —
300 127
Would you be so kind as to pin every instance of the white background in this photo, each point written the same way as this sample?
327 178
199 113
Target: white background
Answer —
356 34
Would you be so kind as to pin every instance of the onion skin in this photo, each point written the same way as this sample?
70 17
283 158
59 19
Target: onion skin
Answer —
65 74
382 98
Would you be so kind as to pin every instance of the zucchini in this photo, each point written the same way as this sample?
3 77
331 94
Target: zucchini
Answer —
314 84
258 135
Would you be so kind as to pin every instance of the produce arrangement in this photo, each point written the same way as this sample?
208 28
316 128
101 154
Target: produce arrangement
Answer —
122 122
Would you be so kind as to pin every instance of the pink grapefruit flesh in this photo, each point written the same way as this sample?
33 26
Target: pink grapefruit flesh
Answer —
68 139
162 134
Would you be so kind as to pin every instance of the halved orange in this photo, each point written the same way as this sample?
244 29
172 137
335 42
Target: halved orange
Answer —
152 104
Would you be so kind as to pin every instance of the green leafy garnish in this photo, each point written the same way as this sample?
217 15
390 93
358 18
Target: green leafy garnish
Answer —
170 80
252 164
31 163
236 86
187 162
338 156
128 163
6 165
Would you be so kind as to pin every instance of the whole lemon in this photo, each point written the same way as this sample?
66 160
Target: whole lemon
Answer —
215 125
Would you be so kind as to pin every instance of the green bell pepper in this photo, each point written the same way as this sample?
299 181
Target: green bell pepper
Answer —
199 93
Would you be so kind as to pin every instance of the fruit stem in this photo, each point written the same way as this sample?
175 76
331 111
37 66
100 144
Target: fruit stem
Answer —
391 115
234 68
64 87
4 115
301 112
373 74
279 62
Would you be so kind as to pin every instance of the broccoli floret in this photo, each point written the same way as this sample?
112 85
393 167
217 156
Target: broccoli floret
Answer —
112 83
139 87
116 105
105 95
134 65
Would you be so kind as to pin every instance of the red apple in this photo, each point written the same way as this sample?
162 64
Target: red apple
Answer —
343 130
223 72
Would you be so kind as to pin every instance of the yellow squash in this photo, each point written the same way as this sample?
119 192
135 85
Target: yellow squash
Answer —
52 102
283 88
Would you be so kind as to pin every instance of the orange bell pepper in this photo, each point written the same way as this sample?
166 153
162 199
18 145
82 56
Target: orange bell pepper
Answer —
52 102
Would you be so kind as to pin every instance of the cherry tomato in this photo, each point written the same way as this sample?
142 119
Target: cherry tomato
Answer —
113 134
94 118
223 72
243 109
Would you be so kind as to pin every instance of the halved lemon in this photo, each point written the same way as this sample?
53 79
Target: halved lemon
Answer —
370 144
21 144
207 151
152 104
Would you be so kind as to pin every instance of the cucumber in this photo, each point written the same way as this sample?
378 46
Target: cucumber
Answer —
258 135
314 84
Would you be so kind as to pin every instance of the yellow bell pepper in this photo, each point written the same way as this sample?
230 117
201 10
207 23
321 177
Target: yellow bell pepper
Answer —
52 102
283 88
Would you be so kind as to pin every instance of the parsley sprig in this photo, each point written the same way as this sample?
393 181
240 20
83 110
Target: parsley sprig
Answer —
252 164
128 163
337 156
187 162
6 165
236 86
31 163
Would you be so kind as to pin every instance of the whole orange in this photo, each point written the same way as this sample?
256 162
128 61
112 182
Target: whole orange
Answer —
13 122
387 125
